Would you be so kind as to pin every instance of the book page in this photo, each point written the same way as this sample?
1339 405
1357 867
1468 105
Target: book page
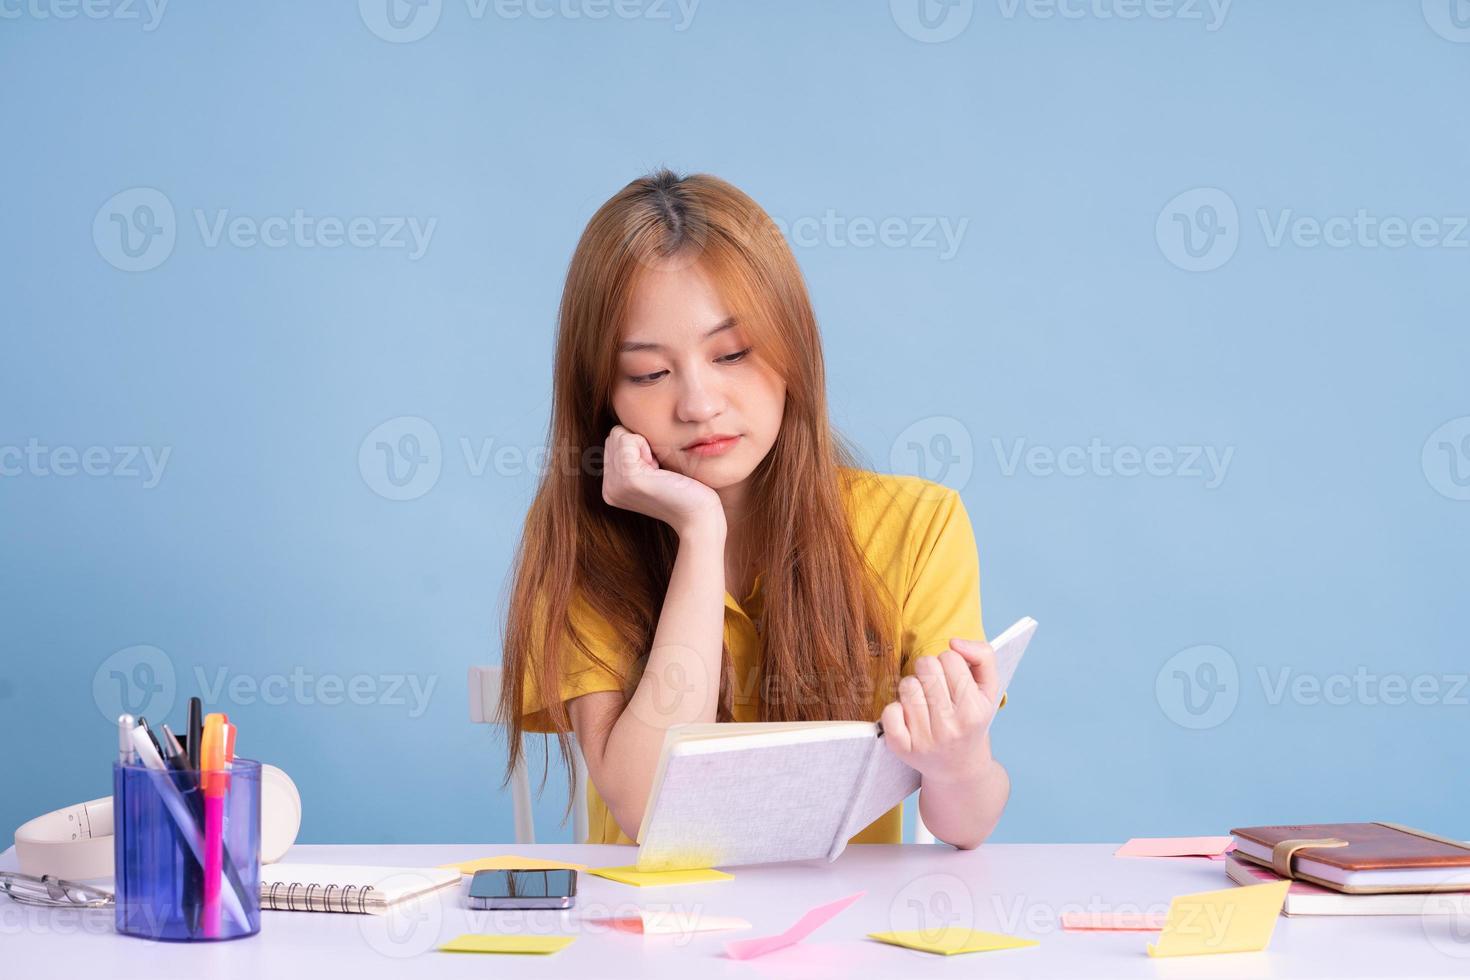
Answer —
809 730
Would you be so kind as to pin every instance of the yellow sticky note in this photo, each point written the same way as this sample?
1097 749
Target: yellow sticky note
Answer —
511 862
481 943
951 940
630 875
1232 920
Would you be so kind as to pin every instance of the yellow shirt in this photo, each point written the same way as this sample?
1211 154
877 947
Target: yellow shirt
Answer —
918 538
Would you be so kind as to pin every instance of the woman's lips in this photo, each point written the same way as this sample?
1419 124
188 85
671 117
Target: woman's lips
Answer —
716 448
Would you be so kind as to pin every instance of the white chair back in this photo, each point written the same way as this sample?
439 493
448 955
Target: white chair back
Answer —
484 683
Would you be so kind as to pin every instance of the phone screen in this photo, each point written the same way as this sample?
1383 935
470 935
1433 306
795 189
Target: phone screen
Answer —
559 883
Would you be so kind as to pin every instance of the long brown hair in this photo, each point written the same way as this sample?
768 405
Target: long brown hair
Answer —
827 621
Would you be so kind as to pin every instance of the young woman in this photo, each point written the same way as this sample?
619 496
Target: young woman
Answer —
691 461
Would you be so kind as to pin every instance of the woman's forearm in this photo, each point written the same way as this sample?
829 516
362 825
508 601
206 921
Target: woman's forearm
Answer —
681 681
964 811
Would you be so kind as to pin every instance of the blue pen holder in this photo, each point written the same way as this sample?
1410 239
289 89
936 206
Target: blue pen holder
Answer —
161 852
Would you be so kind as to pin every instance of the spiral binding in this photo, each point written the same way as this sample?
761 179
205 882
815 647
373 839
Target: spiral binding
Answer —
351 898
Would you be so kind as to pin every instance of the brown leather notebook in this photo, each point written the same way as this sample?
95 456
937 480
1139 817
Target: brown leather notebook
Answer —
1359 858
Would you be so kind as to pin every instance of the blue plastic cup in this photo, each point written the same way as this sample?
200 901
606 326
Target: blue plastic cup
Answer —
160 846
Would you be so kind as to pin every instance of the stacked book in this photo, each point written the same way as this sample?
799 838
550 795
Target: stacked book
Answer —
1355 868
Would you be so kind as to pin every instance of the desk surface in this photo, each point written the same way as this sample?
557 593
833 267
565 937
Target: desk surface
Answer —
1016 888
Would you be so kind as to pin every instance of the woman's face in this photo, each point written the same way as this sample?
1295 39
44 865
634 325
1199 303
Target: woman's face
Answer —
686 373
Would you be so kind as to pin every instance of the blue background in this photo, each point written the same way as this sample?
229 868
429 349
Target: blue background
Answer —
1334 545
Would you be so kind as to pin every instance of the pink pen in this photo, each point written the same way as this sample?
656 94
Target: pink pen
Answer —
212 764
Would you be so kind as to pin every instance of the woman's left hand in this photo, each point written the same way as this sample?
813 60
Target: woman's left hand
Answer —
940 723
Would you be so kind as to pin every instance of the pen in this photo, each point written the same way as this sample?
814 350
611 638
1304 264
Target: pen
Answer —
123 802
178 760
212 762
125 726
179 810
196 731
173 751
143 724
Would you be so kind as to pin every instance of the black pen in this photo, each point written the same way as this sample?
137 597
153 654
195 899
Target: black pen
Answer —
143 724
177 760
196 731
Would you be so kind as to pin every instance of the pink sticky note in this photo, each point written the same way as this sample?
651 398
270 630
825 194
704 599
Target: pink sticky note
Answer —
657 922
1113 921
744 949
1175 847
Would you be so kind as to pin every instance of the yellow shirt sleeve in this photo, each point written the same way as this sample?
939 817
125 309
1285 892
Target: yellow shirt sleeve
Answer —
943 600
943 597
580 674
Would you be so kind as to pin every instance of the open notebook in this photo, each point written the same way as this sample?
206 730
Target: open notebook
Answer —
346 887
729 794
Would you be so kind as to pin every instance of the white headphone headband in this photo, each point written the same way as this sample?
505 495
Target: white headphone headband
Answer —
76 842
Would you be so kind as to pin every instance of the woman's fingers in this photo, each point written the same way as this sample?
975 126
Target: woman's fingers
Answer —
936 692
915 711
981 658
895 729
628 451
962 689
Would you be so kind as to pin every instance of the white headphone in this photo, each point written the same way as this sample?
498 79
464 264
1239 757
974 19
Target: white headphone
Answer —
76 842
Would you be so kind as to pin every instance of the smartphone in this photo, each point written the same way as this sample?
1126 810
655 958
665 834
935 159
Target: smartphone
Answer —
514 889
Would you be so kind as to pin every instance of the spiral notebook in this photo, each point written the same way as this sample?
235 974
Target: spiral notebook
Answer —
347 887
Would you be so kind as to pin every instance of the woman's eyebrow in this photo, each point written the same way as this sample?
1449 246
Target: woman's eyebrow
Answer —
637 345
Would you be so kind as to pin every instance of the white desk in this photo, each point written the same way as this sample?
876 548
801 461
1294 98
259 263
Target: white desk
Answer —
1016 888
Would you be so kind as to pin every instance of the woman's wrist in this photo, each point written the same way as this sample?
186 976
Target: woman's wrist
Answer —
705 527
972 773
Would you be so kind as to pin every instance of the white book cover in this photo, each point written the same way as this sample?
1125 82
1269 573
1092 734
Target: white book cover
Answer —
710 812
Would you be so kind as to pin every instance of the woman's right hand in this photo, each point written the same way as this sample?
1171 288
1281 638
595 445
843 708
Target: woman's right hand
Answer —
633 480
